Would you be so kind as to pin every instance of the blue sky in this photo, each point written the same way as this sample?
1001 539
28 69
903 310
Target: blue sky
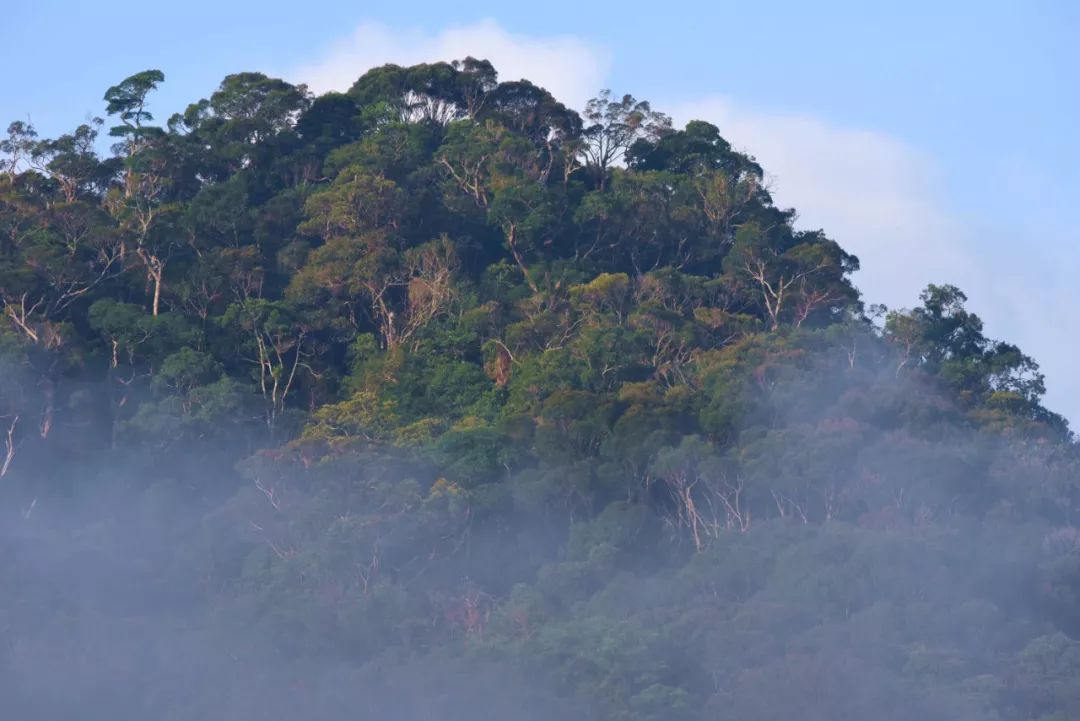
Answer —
938 144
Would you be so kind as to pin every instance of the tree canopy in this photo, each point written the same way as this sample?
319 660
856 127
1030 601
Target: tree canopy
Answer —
438 399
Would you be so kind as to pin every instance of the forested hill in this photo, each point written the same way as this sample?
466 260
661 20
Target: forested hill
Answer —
438 400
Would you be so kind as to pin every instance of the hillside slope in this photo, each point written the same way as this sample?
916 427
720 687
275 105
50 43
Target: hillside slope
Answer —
436 399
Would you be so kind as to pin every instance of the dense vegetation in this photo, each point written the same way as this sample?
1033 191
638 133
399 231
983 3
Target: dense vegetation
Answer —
436 399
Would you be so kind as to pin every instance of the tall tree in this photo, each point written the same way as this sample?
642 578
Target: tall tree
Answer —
613 126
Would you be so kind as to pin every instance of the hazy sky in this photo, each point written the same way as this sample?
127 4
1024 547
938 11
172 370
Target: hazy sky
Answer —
939 145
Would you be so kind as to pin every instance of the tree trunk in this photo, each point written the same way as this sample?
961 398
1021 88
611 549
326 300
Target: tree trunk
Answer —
157 293
511 241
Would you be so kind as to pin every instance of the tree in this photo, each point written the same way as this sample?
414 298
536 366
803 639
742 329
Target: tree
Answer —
476 80
129 101
72 161
696 149
277 345
427 93
533 113
149 227
613 126
18 146
708 497
943 338
244 122
795 277
506 180
143 205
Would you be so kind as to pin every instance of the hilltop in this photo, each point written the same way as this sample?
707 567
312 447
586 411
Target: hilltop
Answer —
439 399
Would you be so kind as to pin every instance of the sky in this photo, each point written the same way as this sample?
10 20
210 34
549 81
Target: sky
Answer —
936 141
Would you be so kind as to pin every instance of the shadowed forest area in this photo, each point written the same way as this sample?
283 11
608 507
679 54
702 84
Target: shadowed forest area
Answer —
437 400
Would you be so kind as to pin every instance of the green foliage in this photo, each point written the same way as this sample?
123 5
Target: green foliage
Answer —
128 101
439 374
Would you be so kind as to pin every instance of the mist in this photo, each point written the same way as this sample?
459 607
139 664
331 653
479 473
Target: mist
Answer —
438 400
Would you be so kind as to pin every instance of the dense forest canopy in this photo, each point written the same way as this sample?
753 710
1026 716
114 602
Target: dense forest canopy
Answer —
437 399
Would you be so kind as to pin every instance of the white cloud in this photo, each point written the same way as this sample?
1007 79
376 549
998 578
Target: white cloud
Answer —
571 69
